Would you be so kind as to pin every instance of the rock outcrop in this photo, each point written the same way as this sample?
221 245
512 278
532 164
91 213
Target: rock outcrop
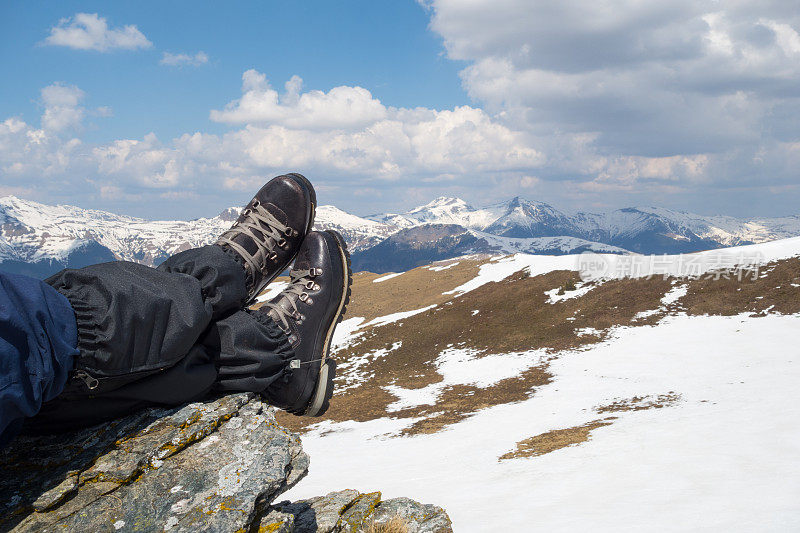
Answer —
211 466
350 511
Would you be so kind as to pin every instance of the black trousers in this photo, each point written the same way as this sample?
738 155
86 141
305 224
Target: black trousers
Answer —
161 336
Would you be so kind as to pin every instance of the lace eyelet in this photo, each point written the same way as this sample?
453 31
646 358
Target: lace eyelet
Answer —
310 285
272 256
281 242
256 203
303 296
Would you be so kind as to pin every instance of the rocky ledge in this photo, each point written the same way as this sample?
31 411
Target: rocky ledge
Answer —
212 466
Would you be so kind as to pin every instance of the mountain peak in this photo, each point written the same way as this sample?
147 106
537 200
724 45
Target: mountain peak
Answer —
230 214
444 201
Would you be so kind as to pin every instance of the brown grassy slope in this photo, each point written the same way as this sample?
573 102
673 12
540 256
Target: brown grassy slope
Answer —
778 288
411 290
513 316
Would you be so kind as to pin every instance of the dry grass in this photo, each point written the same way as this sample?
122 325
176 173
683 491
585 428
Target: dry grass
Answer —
778 291
554 440
513 316
411 290
397 524
640 403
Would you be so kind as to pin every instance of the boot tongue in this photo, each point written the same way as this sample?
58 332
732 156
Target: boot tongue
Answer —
303 260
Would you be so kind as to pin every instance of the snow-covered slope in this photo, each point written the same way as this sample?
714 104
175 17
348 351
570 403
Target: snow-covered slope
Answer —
523 399
33 232
360 233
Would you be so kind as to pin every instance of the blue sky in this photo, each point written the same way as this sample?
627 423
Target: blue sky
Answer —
180 109
384 46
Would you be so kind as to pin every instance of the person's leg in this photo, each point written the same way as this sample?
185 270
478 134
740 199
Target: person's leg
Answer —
38 344
280 351
133 320
138 327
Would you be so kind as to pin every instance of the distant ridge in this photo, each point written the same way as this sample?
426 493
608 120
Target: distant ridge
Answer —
39 239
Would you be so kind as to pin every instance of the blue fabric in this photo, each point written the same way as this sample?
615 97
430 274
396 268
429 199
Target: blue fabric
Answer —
38 345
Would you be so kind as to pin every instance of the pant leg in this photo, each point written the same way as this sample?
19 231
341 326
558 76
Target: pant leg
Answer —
38 345
242 352
250 351
191 379
133 320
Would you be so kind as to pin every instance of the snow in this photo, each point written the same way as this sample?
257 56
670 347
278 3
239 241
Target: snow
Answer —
594 266
346 332
33 231
439 268
459 366
386 277
272 290
580 289
724 458
545 245
394 317
351 370
675 293
500 268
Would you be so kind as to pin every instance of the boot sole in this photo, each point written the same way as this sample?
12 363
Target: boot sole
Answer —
320 399
309 224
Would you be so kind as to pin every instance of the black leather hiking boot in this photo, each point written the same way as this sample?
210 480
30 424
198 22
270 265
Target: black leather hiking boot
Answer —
308 311
267 235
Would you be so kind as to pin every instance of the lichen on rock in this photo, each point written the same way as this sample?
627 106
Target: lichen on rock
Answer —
349 511
213 466
209 466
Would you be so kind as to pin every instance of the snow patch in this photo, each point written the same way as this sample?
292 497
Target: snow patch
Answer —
461 366
581 288
439 268
272 290
394 317
387 276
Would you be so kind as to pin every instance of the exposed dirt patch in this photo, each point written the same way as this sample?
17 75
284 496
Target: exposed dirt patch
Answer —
640 403
776 290
461 401
555 440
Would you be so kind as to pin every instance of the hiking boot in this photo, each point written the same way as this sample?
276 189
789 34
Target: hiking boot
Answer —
308 311
267 235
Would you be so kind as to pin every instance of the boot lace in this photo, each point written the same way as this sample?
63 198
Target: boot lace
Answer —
273 232
300 282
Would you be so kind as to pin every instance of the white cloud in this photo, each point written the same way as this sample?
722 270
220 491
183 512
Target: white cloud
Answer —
177 60
390 145
88 31
636 96
62 108
340 108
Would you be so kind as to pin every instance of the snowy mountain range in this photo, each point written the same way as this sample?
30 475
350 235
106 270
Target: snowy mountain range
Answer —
40 239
